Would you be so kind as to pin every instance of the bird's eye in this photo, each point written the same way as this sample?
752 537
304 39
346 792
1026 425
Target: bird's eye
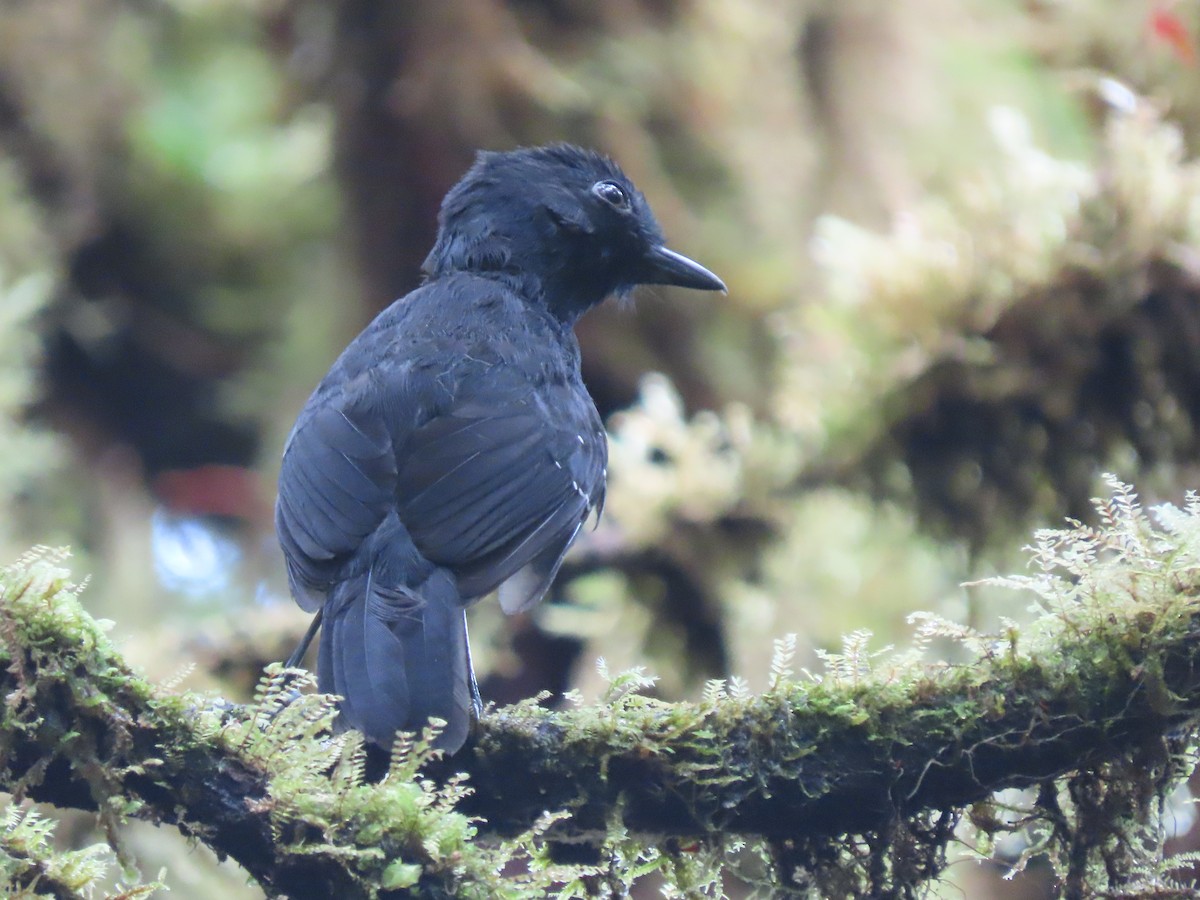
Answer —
612 194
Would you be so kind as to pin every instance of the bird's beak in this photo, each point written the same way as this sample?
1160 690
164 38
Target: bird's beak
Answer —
663 266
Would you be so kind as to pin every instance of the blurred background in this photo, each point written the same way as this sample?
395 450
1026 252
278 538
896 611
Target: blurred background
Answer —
962 244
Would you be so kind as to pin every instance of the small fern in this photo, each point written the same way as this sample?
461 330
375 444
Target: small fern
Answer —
854 664
410 752
31 866
623 684
715 691
781 661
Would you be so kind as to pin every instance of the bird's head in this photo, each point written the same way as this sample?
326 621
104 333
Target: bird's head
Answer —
566 226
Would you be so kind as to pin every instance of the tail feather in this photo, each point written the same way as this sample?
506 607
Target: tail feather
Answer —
397 658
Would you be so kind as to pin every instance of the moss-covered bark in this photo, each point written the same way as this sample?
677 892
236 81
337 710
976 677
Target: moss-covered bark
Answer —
813 762
80 729
1102 693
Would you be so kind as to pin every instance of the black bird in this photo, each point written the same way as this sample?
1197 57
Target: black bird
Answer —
453 450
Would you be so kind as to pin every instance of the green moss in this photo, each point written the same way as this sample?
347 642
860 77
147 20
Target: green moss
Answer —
1119 618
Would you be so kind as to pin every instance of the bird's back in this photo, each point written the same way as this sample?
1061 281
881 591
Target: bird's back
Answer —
498 392
443 450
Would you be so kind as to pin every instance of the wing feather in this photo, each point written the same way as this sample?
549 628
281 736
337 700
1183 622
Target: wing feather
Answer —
335 487
485 486
490 487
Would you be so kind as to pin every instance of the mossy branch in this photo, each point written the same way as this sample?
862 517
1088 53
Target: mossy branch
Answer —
813 762
1108 679
82 730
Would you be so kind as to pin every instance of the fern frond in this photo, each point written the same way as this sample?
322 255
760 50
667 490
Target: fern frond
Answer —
781 660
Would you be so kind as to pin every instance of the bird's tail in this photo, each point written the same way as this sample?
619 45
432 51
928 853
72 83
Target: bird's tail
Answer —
397 658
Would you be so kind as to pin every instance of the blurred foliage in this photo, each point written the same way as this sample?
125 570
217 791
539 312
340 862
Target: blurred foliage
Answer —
960 240
29 453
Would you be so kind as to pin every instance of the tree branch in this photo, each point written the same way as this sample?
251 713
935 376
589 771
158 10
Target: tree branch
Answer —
1110 678
817 762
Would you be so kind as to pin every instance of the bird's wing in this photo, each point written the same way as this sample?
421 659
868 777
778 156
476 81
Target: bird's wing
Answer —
495 485
335 487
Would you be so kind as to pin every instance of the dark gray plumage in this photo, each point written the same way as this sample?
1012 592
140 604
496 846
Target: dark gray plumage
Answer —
452 449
